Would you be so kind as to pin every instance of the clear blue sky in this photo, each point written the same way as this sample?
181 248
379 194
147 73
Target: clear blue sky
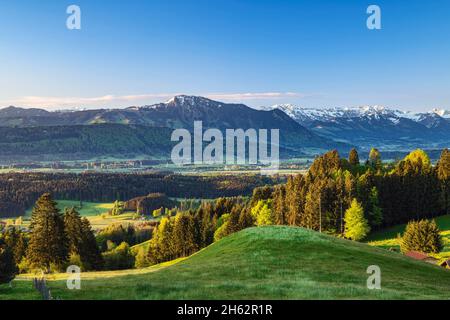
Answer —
141 51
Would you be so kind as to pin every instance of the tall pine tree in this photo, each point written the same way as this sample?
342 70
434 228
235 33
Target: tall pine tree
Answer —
48 244
353 157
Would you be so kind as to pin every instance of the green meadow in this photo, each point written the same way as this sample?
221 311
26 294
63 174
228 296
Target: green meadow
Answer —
266 263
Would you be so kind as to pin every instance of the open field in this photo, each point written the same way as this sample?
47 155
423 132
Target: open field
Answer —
94 212
88 209
270 263
388 238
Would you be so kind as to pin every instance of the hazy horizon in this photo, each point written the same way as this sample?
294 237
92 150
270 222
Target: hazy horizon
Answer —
215 98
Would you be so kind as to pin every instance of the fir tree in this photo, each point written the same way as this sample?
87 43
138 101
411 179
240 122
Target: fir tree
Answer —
353 157
374 211
81 240
90 255
161 245
48 241
443 174
375 159
8 267
184 235
422 236
17 242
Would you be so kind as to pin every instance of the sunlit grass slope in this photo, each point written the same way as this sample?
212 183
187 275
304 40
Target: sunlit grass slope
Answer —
388 238
272 263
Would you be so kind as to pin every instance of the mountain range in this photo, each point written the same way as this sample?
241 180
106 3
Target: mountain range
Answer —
375 126
36 131
146 130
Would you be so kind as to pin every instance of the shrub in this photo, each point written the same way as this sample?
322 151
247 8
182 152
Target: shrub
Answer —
141 260
422 236
120 258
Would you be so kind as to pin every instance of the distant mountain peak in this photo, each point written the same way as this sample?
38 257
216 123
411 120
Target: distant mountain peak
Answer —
190 100
441 112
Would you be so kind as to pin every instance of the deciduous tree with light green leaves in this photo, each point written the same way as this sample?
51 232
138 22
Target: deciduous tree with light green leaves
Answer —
356 225
262 213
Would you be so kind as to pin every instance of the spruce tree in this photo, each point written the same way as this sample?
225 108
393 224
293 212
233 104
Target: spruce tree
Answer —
48 241
374 211
443 174
8 267
353 157
375 159
184 235
82 241
422 236
74 231
280 205
91 255
356 226
16 241
161 245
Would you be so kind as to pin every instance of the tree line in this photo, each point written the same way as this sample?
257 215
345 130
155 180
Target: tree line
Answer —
343 197
19 191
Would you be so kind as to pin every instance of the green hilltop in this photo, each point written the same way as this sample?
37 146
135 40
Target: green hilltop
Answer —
270 263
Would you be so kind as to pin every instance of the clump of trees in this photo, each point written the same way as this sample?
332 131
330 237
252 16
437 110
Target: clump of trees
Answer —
48 246
119 257
123 232
411 189
421 236
81 241
55 240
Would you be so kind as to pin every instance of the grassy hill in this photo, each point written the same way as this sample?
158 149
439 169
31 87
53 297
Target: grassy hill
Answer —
270 263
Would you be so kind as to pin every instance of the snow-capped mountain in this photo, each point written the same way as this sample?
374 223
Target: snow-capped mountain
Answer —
374 125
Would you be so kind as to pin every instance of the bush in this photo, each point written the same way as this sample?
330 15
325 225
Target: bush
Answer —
141 259
422 236
120 258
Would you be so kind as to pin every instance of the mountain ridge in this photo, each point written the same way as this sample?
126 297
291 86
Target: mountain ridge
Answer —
375 126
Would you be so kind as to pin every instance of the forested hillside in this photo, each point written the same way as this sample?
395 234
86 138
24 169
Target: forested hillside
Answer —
19 191
84 142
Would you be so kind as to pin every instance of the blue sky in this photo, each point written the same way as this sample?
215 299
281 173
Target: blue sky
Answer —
259 52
